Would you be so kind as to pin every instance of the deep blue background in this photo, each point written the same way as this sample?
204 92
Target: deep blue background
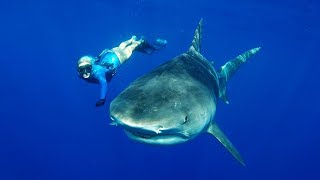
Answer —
50 128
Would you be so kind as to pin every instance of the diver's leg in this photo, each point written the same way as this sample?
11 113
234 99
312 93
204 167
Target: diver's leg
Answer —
125 53
126 43
125 50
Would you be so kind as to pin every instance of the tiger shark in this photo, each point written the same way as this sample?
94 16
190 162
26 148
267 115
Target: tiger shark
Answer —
177 101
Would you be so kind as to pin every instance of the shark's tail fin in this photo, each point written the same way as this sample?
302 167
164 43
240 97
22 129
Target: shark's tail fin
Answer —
196 42
230 68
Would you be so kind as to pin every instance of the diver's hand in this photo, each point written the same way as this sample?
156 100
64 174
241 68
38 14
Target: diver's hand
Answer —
100 102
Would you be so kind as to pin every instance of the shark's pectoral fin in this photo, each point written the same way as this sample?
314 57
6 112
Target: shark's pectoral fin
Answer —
228 70
216 132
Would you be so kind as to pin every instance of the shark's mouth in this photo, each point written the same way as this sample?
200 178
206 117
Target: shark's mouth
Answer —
140 134
159 135
150 137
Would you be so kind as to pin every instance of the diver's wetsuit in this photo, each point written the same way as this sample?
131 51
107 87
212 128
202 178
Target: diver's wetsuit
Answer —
103 69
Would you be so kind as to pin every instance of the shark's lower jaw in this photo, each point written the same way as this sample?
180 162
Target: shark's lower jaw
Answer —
158 139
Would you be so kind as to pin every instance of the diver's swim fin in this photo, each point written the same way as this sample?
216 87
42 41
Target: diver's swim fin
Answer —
160 43
146 47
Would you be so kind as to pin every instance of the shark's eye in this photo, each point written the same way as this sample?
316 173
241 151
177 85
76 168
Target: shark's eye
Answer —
185 119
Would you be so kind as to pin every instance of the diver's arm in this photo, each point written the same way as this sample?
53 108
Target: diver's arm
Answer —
103 89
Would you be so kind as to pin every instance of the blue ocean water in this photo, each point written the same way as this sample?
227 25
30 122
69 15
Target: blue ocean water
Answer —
51 129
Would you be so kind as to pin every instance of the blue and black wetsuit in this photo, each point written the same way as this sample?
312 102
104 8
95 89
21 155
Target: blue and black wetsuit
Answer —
103 69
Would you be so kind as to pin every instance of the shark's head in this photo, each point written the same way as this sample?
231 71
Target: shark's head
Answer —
161 115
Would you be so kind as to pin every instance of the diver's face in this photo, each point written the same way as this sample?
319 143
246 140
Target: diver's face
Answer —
85 71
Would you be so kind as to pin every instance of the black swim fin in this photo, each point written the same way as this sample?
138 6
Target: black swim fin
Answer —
148 48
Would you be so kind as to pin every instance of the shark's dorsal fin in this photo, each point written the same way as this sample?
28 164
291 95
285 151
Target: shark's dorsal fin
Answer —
196 42
216 132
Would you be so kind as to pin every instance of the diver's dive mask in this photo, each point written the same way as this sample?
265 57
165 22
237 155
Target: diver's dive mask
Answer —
85 66
85 70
